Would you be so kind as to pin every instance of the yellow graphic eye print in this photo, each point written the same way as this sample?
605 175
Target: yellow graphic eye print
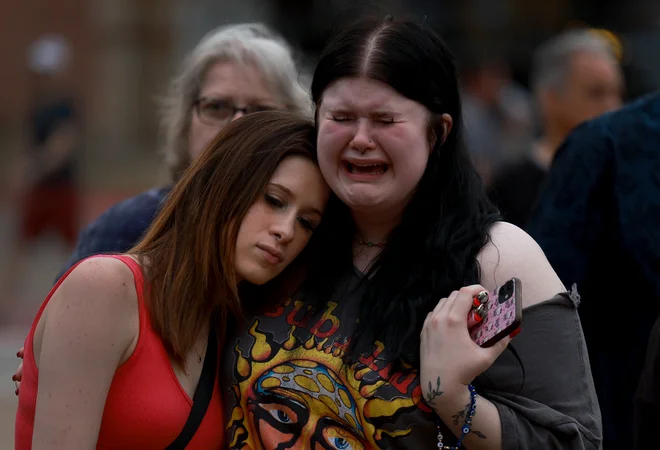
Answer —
298 394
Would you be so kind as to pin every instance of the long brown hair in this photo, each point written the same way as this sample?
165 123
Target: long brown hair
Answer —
188 252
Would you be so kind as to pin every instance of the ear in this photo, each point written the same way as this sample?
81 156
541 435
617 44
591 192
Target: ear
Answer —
447 124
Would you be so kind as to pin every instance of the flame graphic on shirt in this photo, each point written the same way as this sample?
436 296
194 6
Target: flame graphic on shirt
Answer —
299 395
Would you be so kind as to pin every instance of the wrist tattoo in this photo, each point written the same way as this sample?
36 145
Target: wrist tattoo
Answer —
459 418
479 434
433 393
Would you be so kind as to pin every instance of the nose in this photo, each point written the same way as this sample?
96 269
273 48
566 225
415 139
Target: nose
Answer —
283 228
361 139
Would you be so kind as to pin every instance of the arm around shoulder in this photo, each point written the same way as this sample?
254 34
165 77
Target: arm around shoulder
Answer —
87 330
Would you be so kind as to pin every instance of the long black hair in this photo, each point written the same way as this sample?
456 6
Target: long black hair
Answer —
434 248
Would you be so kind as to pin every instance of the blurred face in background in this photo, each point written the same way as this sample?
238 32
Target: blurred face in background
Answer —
593 86
229 91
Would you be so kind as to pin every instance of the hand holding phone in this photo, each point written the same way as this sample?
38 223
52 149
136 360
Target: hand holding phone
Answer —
503 314
448 352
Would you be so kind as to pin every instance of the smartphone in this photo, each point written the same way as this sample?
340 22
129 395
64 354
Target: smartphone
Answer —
503 314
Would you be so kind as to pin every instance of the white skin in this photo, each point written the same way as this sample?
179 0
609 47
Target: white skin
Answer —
243 84
364 121
98 301
279 224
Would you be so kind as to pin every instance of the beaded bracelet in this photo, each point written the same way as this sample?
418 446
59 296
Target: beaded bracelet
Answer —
465 430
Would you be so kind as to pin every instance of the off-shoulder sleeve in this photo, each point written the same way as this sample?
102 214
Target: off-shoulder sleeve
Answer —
547 400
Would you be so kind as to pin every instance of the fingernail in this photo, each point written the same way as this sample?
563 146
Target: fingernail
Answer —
480 298
16 392
515 332
13 378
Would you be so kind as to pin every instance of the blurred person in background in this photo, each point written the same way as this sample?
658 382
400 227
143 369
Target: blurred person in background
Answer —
575 77
44 183
122 345
498 114
235 70
598 222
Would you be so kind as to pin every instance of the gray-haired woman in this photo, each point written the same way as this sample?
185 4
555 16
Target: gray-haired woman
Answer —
234 70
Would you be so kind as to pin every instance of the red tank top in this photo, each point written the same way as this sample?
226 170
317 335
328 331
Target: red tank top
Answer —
146 406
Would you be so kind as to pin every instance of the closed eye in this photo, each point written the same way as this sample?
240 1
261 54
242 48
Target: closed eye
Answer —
273 201
340 117
306 224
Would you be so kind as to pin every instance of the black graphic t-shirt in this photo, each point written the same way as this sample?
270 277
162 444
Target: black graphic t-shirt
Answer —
288 387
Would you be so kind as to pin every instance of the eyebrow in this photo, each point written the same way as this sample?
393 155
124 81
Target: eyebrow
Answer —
383 113
291 194
378 112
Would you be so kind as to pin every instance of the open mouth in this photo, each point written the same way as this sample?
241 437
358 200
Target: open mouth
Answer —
366 169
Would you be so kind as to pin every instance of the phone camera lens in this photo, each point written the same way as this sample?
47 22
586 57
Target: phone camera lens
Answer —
505 292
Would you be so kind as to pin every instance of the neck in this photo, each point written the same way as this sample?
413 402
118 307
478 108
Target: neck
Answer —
374 227
547 146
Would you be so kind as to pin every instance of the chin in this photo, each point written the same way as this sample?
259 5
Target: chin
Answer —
257 278
365 204
258 281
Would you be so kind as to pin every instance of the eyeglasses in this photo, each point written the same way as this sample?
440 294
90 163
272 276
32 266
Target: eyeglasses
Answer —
215 111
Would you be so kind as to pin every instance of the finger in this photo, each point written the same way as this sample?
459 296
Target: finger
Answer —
480 299
446 303
465 298
426 321
21 353
496 349
475 316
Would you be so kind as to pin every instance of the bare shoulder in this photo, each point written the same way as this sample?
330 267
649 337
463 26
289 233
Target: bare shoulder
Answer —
91 323
513 253
100 279
98 298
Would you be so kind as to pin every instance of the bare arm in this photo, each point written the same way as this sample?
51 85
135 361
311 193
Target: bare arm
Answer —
513 253
89 327
486 429
450 361
510 253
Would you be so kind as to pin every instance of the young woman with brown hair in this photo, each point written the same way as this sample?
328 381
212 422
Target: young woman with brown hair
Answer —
115 354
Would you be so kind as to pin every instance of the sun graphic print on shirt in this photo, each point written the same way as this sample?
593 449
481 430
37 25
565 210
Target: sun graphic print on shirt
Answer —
291 390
